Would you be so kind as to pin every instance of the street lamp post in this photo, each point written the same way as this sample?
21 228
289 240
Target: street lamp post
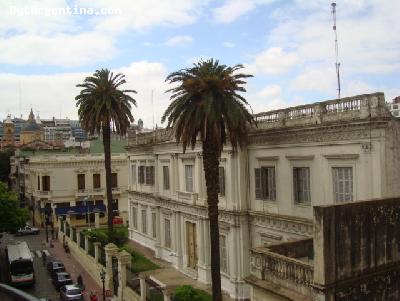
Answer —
86 200
103 279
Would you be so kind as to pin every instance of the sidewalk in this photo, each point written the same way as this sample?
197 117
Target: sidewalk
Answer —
74 268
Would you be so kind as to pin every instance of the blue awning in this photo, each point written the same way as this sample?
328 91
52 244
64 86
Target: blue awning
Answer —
80 209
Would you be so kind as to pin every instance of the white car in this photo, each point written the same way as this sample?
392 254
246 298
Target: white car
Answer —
27 230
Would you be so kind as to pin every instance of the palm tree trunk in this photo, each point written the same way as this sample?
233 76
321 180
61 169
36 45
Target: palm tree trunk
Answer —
210 164
107 164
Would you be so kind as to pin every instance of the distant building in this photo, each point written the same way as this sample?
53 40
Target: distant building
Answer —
32 131
394 107
8 139
57 182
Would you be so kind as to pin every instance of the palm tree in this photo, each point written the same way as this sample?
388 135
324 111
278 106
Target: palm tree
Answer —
101 104
206 104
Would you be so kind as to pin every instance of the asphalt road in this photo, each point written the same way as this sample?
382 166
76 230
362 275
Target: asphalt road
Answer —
43 287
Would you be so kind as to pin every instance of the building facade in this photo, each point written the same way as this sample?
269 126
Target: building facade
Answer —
60 184
320 154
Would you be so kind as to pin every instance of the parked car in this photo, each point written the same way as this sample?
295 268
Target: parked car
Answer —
71 292
60 279
27 230
55 266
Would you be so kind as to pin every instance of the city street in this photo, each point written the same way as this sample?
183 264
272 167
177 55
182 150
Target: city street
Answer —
43 287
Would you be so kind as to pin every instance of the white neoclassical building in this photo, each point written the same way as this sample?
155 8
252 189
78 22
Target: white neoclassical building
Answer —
318 154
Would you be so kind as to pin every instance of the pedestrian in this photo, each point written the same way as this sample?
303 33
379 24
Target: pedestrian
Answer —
93 296
79 281
44 258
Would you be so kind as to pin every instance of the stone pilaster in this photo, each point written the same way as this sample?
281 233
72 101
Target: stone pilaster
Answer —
124 258
143 288
110 250
97 220
97 247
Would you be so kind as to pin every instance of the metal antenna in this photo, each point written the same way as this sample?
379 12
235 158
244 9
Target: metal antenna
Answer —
152 105
337 64
19 98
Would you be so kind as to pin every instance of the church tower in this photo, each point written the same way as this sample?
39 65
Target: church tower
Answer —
9 129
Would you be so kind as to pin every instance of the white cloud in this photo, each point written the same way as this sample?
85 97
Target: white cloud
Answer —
144 14
179 41
273 61
231 10
59 50
75 41
229 45
271 91
13 18
367 41
266 99
317 80
234 9
60 91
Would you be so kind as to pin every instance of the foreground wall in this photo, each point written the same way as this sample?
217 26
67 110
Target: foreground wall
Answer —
357 250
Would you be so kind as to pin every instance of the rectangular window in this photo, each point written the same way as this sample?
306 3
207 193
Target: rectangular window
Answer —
133 168
46 183
301 185
166 177
223 254
81 181
221 177
141 174
115 206
189 178
38 182
144 221
167 233
265 183
342 184
154 224
96 181
149 175
114 180
134 218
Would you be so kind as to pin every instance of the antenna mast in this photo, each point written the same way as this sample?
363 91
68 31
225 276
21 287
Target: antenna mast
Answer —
152 105
337 64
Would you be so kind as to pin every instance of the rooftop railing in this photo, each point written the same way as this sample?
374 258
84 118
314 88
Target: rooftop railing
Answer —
348 108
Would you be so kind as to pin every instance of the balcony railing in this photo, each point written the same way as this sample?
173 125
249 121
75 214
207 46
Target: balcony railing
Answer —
81 192
294 273
96 191
188 197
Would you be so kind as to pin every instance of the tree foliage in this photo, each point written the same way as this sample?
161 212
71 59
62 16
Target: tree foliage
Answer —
206 103
12 217
101 104
5 165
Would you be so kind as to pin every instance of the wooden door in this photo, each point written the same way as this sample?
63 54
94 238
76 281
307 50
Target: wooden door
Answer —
191 244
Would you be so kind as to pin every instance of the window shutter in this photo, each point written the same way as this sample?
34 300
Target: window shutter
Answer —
221 175
295 188
271 184
151 175
258 183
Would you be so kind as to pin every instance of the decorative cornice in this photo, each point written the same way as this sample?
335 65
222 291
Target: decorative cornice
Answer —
297 158
341 156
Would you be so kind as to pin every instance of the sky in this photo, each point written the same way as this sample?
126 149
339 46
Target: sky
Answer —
49 46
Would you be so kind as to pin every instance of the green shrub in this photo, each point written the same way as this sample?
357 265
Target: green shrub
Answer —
119 236
189 293
139 263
